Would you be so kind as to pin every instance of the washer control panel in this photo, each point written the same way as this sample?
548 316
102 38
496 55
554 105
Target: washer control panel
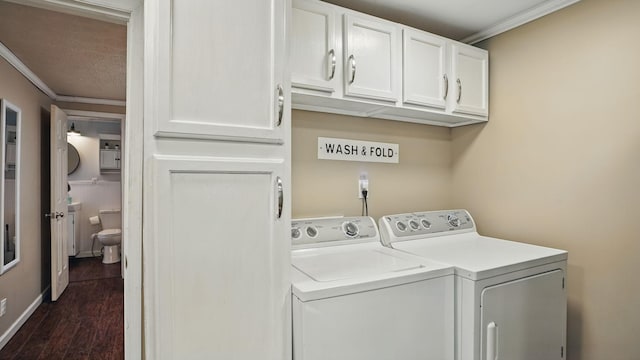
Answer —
327 230
408 226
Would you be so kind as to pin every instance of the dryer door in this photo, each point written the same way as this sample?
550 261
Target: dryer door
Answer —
524 319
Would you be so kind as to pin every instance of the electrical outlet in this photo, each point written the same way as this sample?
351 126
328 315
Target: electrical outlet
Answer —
363 184
3 306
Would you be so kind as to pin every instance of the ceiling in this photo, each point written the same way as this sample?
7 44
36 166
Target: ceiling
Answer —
74 56
81 57
463 20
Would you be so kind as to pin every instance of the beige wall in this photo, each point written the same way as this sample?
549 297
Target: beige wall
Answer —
21 284
421 181
558 164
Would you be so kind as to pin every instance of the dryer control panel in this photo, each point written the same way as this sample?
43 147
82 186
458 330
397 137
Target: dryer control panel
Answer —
330 231
410 226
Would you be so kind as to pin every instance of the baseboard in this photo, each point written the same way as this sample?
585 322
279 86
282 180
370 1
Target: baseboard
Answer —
13 329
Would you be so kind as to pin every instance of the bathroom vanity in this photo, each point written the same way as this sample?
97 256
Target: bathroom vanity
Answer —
73 227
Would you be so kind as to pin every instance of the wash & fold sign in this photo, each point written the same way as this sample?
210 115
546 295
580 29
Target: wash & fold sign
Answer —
356 150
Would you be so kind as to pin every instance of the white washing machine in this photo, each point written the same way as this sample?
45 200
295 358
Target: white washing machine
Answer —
354 299
510 297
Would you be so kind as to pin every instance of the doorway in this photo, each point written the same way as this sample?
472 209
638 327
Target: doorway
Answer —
129 13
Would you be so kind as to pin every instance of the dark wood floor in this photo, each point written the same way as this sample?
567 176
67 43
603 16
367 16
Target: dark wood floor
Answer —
87 321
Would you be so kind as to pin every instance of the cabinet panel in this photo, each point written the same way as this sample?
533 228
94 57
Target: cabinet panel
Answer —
221 272
525 319
372 48
470 74
204 53
315 56
424 73
109 160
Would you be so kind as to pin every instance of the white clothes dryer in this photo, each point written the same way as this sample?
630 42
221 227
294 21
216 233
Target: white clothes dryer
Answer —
354 299
510 297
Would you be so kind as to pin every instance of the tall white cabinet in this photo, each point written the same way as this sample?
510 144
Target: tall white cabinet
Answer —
217 180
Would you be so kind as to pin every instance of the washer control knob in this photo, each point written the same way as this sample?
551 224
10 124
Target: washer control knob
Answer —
453 220
295 233
312 231
426 224
401 226
350 229
414 225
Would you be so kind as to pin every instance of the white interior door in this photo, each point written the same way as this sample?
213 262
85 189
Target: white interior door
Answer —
59 253
525 319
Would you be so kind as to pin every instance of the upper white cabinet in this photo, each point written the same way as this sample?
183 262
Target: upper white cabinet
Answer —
205 77
425 64
387 70
470 71
315 50
371 53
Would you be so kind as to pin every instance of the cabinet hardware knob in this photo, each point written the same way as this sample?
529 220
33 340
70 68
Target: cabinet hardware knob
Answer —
280 189
352 61
280 101
332 58
445 79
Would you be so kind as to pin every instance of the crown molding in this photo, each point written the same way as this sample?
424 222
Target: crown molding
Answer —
73 114
13 60
86 100
519 19
25 71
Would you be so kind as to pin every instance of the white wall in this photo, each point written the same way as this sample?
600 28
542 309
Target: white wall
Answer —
94 190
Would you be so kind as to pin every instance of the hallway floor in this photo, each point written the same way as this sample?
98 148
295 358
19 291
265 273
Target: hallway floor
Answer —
87 322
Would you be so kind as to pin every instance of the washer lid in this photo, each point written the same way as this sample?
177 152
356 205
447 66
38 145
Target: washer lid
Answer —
340 270
346 265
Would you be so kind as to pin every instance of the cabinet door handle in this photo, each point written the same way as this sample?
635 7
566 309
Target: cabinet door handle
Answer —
280 190
445 79
280 101
332 59
352 62
459 90
492 341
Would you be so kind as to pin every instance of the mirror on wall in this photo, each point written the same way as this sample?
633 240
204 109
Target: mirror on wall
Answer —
73 159
10 155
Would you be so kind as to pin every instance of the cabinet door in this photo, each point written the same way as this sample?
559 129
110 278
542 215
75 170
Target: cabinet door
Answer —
221 284
470 78
525 319
315 57
372 49
109 159
424 72
217 68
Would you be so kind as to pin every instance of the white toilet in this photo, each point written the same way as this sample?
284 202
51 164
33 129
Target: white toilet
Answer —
110 236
